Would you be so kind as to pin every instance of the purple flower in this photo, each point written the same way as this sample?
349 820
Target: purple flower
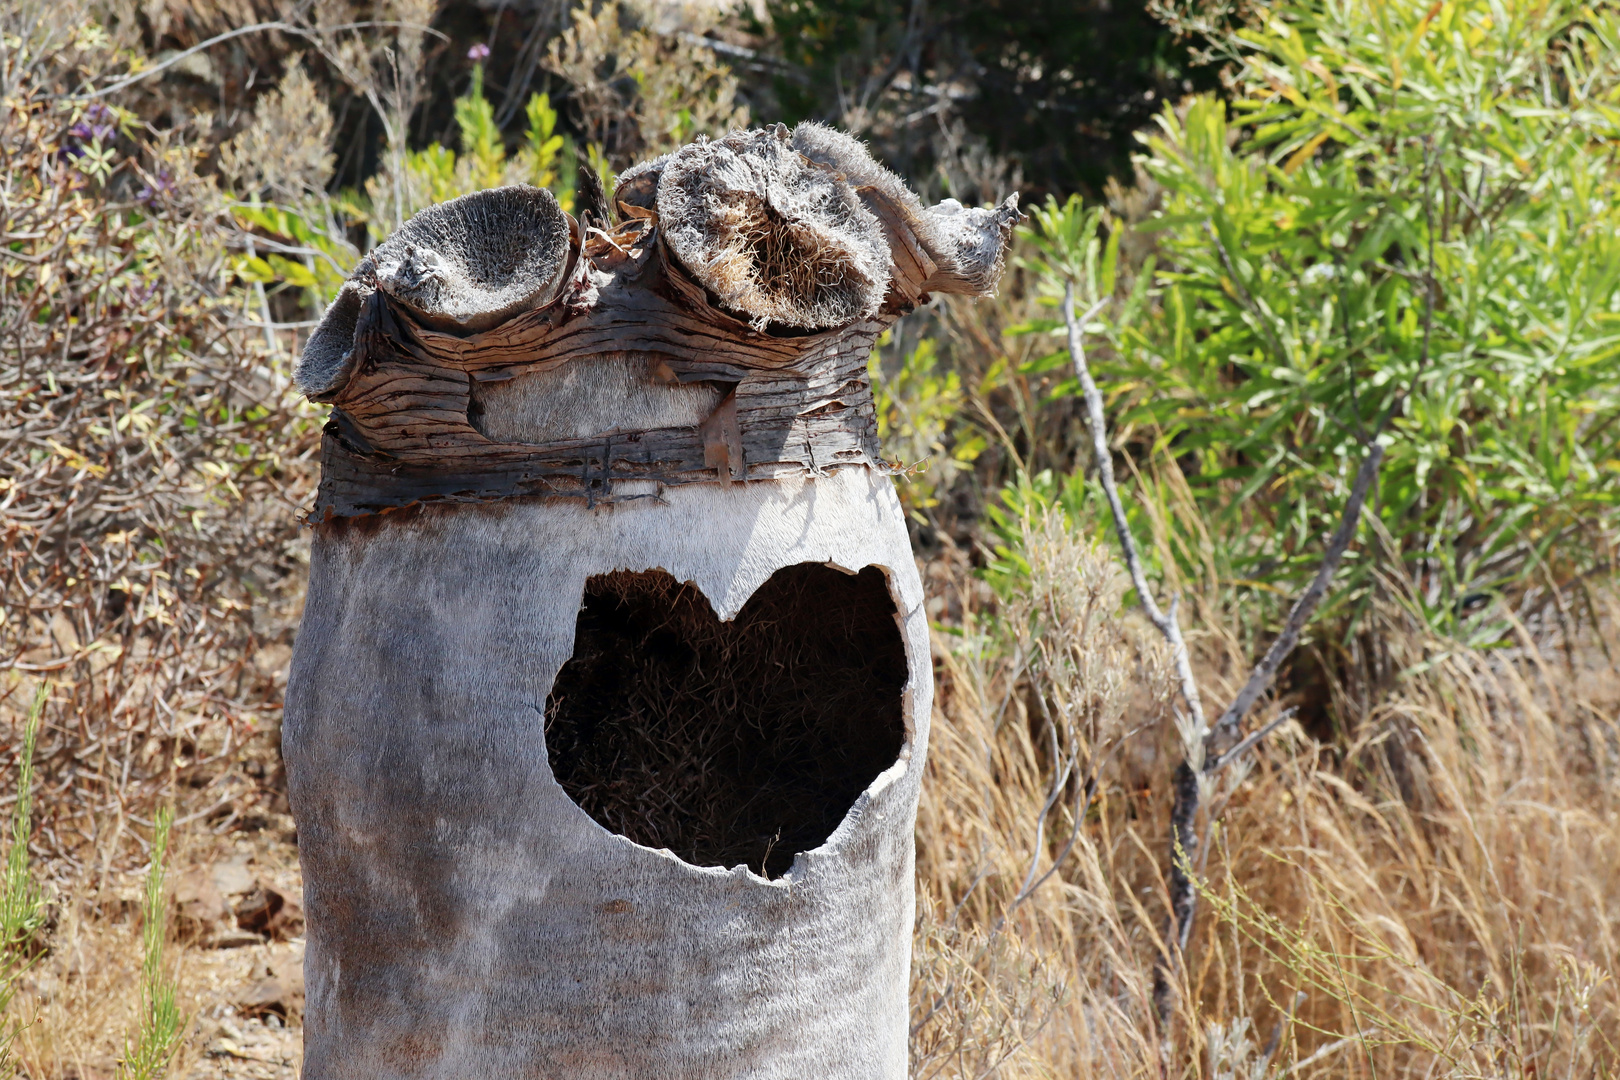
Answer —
478 53
161 186
98 122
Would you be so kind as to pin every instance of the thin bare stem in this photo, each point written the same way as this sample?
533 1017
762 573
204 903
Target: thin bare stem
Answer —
1249 743
1184 837
242 31
1166 623
1305 607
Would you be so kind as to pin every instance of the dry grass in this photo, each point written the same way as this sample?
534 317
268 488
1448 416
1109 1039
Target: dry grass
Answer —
1438 894
79 1001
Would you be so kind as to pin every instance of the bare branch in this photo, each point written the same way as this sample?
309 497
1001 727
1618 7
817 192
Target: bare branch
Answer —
1249 743
243 31
1166 624
1305 606
1184 836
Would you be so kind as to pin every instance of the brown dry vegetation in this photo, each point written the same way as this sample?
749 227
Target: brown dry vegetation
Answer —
1419 879
153 461
1436 896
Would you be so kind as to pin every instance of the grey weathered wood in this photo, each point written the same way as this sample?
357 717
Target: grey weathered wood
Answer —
466 917
402 433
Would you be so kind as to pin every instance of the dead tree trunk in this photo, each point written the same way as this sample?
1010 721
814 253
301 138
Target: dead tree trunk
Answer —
608 710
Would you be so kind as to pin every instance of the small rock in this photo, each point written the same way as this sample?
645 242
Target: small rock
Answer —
233 878
226 1048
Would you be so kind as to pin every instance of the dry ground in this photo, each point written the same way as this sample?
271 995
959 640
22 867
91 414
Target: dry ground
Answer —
236 951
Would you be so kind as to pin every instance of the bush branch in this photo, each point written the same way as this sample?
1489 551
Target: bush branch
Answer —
1166 623
1197 767
1300 615
243 31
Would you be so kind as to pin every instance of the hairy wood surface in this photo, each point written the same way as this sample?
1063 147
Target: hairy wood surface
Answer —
795 405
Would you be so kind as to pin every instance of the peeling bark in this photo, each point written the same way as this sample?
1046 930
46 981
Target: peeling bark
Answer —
400 431
467 916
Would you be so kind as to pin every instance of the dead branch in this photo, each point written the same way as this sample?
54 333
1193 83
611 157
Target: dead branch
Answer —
1196 768
1165 622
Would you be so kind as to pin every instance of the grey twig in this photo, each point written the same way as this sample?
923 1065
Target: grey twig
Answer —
243 31
1305 606
1166 623
1249 743
1184 837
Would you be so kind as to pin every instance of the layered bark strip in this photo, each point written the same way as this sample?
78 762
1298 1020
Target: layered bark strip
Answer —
607 715
761 268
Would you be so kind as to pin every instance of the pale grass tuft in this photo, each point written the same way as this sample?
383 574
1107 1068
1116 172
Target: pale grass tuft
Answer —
1438 898
80 1001
285 153
1037 708
677 89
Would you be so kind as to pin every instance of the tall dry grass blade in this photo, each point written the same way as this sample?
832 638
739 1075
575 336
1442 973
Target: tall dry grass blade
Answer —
22 904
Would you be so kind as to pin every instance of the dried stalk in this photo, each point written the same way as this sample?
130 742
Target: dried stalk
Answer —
1165 622
242 31
1196 769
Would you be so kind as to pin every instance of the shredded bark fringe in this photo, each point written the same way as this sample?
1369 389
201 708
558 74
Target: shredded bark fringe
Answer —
757 267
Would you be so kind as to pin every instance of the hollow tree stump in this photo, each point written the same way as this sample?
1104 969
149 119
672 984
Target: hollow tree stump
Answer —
608 710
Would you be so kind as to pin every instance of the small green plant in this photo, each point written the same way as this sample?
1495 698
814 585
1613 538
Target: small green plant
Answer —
158 1035
438 173
1022 503
545 149
481 148
22 905
919 405
325 260
315 255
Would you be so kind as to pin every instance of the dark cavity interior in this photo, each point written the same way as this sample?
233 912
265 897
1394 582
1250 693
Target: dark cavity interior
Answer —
740 742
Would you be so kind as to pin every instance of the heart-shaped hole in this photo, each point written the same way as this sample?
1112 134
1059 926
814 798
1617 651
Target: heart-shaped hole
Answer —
739 742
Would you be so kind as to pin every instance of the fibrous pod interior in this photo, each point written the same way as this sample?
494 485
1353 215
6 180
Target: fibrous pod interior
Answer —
474 262
773 235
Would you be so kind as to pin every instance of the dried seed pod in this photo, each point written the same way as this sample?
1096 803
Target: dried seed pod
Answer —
474 262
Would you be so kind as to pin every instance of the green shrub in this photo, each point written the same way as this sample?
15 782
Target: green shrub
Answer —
919 402
1398 195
